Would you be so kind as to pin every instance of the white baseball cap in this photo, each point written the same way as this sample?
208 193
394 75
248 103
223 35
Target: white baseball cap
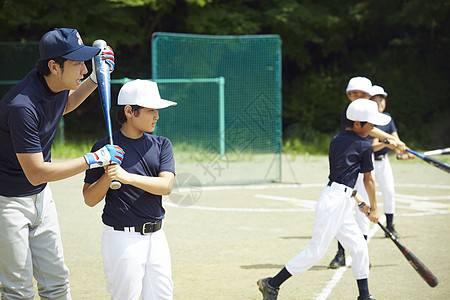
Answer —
360 84
378 90
365 110
144 93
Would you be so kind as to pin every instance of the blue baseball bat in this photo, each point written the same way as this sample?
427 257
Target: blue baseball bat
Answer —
104 89
432 161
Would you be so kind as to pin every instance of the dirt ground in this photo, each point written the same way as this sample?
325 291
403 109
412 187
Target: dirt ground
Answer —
224 238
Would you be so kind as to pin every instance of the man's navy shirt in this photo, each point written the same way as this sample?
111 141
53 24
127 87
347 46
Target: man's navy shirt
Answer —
29 116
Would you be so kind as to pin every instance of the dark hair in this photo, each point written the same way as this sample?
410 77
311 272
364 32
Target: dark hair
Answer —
121 118
350 123
42 65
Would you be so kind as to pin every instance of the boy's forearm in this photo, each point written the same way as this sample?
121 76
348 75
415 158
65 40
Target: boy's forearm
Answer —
369 184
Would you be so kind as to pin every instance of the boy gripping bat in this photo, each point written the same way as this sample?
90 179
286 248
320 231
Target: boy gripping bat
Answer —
133 215
350 153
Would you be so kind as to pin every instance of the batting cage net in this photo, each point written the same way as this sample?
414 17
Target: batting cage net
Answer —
226 128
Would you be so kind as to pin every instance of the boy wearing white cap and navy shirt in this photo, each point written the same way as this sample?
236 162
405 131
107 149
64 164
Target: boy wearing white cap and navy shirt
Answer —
350 153
382 167
29 116
135 252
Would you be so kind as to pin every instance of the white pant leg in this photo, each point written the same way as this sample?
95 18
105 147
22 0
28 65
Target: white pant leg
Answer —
385 179
332 208
157 282
127 260
352 239
48 259
16 270
30 238
362 220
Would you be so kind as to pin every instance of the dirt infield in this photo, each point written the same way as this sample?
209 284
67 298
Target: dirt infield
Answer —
228 237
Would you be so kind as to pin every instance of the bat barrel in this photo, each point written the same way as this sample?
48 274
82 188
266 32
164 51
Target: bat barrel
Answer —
104 86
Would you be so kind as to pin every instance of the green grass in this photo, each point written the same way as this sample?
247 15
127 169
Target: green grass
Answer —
191 153
318 146
71 149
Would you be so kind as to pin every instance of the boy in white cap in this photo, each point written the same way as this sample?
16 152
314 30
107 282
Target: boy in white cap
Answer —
361 87
30 239
350 154
382 167
136 257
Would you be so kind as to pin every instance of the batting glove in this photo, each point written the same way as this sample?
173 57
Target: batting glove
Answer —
107 55
104 156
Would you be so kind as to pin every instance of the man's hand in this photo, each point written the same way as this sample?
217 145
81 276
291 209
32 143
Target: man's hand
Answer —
104 156
107 54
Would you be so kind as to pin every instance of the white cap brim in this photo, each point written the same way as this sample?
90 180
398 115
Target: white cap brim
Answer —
364 110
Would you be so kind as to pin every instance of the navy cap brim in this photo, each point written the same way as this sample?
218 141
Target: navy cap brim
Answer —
83 53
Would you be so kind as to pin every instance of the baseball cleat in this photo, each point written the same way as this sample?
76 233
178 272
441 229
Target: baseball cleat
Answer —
370 297
392 230
338 261
269 292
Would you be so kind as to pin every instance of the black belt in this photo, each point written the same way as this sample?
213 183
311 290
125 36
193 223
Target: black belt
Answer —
380 157
145 228
330 182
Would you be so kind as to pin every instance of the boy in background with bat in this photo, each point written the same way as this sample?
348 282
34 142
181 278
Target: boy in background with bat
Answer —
30 241
382 167
350 154
135 252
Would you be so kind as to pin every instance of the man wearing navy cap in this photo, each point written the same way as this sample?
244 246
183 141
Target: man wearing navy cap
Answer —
29 116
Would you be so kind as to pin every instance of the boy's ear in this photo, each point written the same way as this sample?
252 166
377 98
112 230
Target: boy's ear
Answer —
128 111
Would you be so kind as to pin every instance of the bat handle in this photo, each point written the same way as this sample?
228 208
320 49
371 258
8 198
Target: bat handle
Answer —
115 185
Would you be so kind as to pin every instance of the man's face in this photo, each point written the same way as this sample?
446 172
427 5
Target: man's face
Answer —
356 94
72 74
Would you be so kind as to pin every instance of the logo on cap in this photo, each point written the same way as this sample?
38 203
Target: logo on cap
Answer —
80 41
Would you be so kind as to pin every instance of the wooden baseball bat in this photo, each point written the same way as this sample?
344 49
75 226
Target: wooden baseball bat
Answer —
437 151
432 161
413 260
104 89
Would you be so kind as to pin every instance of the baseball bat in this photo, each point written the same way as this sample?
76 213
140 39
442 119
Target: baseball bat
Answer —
413 260
432 161
104 89
438 151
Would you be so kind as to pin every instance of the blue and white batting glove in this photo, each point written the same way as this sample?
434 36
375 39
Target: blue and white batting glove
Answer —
107 54
104 156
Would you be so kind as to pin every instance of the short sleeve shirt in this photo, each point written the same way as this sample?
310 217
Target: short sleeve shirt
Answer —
29 117
349 155
388 128
131 206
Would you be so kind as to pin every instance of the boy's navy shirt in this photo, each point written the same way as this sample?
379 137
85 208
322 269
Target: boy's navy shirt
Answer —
388 128
128 206
349 155
29 116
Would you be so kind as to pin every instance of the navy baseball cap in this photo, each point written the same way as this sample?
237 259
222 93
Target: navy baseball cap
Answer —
65 43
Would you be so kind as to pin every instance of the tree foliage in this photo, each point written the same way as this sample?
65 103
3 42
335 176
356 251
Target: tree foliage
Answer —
401 45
